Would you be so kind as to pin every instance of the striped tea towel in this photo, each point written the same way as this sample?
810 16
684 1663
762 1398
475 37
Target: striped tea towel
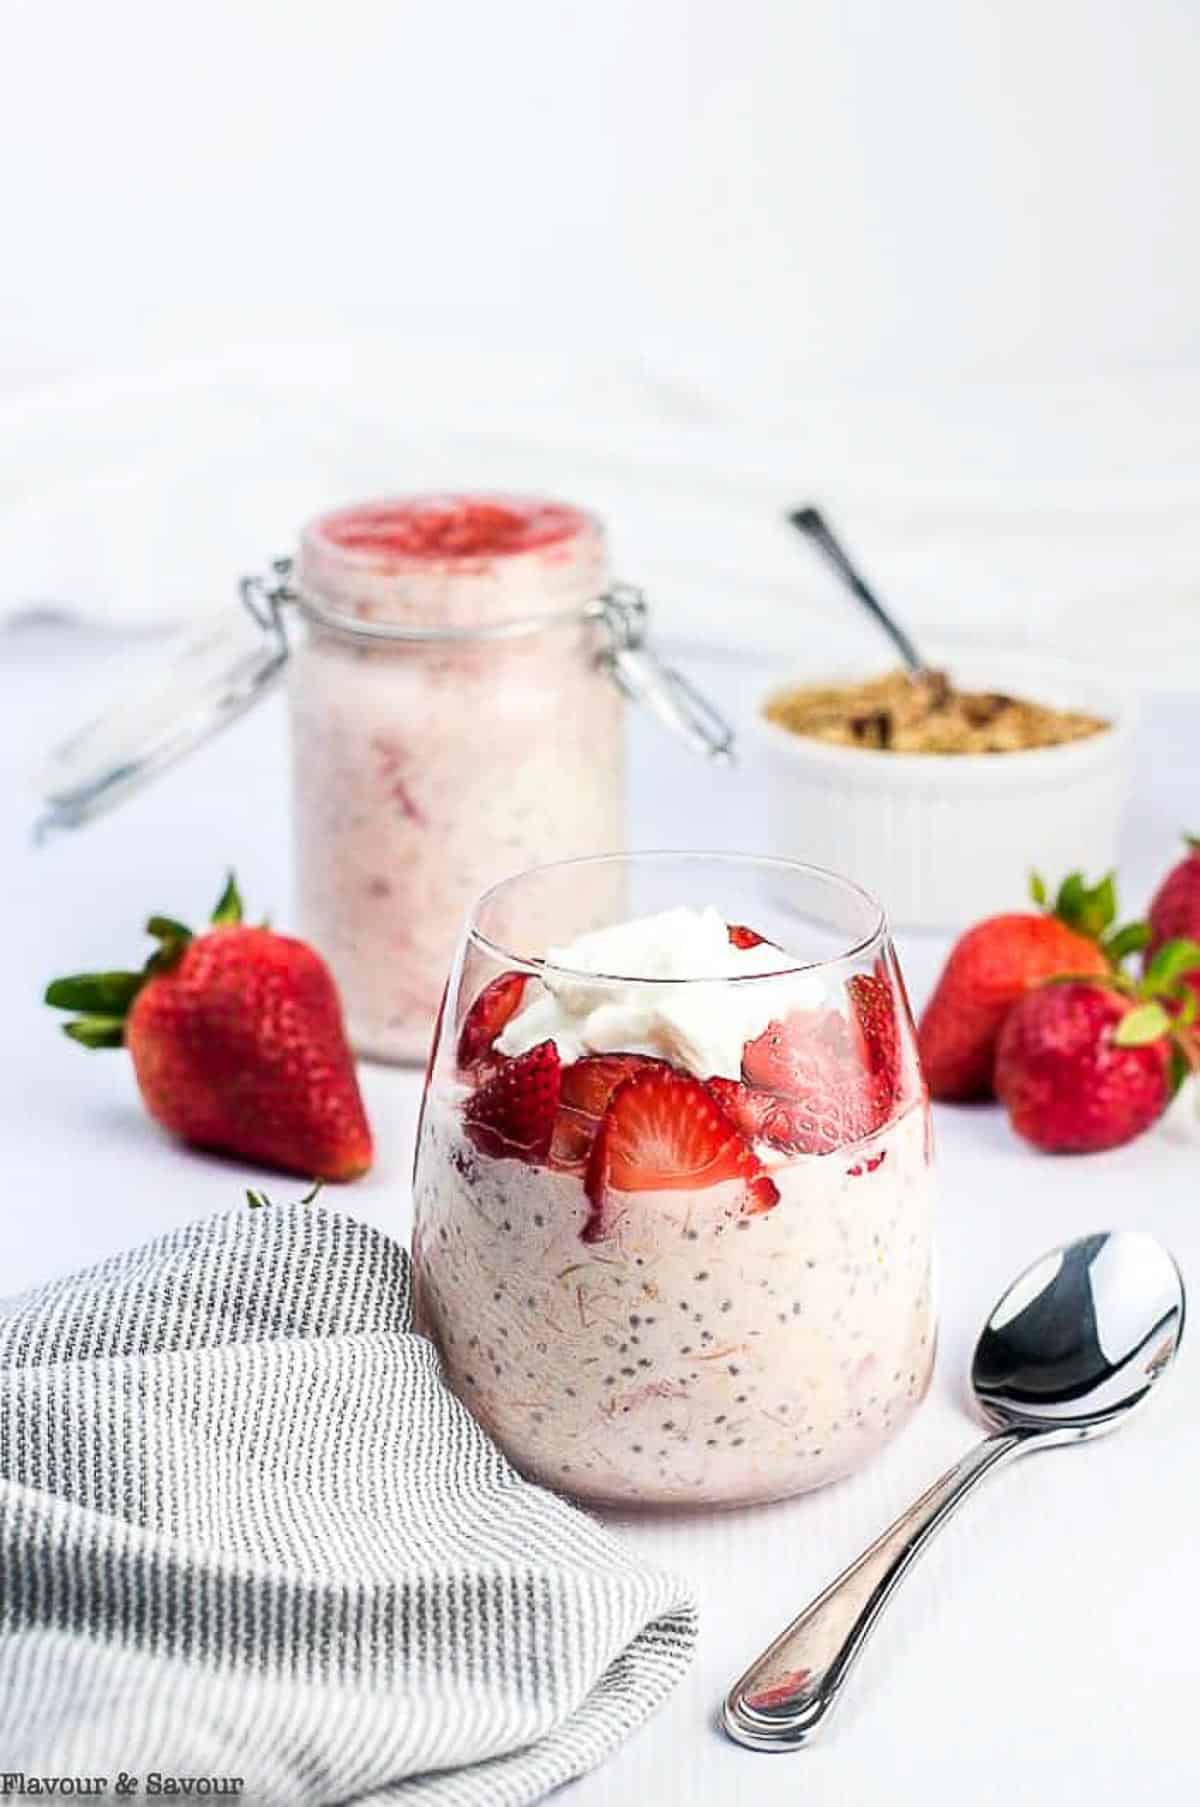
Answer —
246 1531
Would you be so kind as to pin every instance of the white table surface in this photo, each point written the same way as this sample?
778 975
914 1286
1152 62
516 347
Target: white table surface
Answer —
1044 1651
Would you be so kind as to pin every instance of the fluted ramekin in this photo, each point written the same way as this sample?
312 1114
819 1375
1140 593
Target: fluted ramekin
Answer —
943 839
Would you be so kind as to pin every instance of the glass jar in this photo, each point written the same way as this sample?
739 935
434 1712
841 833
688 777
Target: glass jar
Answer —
457 669
428 764
673 1194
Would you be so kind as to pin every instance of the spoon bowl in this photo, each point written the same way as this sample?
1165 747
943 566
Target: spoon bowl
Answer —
1075 1344
1081 1337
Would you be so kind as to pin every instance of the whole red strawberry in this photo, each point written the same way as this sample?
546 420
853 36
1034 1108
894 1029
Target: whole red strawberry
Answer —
237 1042
1000 959
1175 911
1074 1072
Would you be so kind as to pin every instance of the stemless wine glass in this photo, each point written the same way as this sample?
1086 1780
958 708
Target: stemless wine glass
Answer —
673 1191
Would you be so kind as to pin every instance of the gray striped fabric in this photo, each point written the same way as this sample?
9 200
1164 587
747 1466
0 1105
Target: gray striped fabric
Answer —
245 1531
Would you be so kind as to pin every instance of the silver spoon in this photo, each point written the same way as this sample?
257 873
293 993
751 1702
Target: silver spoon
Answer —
1073 1345
812 523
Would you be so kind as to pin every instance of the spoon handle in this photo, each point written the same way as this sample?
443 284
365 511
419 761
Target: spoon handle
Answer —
811 522
783 1697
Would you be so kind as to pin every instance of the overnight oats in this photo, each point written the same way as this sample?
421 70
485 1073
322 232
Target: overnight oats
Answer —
451 639
673 1189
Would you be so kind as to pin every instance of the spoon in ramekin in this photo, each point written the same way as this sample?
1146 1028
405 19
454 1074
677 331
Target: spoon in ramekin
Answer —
812 523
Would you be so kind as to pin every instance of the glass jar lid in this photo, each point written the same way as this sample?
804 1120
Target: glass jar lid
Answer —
173 696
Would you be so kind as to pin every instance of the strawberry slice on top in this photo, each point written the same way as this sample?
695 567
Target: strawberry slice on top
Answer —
664 1132
513 1113
874 1005
791 1054
496 1003
589 1083
745 1105
571 1139
828 1087
741 936
829 1116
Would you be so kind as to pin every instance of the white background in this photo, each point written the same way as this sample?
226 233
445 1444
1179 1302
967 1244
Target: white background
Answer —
845 188
934 264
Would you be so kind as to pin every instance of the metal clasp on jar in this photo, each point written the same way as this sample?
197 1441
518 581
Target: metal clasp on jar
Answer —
644 679
633 666
263 597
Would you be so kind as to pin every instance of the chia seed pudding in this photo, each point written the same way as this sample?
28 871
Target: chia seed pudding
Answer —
632 1335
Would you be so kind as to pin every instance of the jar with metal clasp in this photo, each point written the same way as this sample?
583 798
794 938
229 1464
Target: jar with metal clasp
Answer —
457 668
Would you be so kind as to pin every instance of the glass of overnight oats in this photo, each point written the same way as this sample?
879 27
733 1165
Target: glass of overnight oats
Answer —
673 1194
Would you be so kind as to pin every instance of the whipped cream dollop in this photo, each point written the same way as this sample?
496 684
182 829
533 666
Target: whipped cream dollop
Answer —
701 1027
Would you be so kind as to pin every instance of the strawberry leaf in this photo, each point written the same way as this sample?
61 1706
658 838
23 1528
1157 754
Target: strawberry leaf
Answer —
1038 891
1129 940
1169 965
229 904
96 994
1089 909
97 1031
1144 1024
257 1200
165 928
172 938
1180 1071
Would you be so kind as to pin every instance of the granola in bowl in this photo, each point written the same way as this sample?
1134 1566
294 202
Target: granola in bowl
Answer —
925 713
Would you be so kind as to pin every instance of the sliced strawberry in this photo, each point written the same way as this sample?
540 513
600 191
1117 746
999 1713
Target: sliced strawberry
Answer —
793 1125
746 1105
663 1132
788 1124
873 1002
514 1112
741 936
588 1084
782 1058
496 1003
825 1093
571 1139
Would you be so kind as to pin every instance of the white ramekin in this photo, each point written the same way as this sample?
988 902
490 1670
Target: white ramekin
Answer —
941 839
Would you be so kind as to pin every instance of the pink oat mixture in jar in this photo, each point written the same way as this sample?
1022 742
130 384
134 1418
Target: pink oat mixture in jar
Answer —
479 736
